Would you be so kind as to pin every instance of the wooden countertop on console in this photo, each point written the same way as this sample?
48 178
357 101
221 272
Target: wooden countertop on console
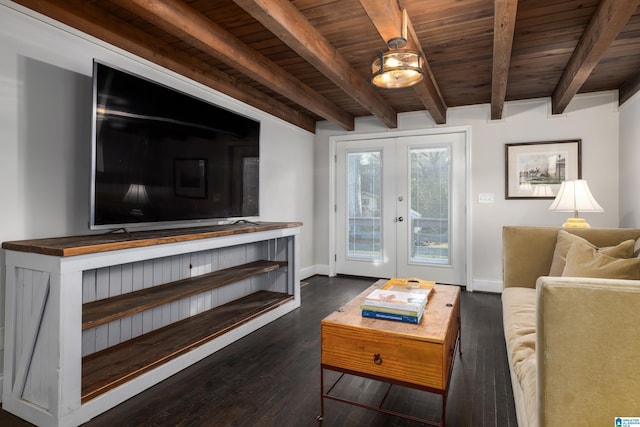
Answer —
93 243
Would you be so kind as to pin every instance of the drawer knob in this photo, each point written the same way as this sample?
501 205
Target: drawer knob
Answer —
377 359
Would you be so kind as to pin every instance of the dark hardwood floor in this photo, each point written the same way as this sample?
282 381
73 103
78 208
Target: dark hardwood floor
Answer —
272 377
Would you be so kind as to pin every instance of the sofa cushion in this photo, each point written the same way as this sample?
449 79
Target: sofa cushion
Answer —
519 317
584 261
566 239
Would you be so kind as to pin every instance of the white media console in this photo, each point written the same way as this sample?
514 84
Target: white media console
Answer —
93 320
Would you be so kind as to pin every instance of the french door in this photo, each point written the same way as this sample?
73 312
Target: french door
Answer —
400 207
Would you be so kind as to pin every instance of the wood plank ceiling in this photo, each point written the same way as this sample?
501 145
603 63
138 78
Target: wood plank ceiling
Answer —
309 60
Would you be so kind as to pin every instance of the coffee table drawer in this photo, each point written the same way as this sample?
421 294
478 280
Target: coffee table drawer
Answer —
386 356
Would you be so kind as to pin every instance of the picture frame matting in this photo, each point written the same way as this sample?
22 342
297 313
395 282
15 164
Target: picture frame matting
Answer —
535 170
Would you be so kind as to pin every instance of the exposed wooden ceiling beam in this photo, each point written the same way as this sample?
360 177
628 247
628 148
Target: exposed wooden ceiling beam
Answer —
284 20
186 23
387 18
609 19
95 22
504 25
629 88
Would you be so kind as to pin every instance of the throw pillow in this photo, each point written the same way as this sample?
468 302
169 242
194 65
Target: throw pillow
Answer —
566 239
586 261
636 249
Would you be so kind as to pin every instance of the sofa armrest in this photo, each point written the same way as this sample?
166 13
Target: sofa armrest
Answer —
588 351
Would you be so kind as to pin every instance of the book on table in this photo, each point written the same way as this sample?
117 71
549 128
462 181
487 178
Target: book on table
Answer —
400 298
400 312
391 316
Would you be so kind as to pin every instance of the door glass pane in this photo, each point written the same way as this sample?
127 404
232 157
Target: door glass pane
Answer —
430 191
364 198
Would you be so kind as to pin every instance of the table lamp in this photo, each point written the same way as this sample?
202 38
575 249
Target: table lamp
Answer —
574 196
137 197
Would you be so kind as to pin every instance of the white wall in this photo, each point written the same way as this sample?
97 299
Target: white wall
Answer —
630 162
45 146
592 118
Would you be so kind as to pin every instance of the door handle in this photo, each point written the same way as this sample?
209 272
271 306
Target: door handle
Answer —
400 219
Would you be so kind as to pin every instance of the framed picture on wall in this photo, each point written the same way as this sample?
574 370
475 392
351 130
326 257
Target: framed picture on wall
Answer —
190 178
535 170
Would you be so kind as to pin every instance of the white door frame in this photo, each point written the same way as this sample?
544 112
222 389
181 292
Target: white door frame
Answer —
395 134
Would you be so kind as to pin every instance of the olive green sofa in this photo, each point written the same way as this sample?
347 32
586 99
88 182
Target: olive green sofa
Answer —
573 343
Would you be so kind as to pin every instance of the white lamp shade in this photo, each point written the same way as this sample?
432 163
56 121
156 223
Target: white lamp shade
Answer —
574 196
137 195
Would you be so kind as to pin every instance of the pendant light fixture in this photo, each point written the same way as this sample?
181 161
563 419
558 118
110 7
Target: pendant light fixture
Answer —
398 67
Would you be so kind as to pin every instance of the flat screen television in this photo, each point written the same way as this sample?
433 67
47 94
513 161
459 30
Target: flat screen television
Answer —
161 156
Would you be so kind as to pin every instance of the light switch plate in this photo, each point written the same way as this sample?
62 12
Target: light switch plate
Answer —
485 198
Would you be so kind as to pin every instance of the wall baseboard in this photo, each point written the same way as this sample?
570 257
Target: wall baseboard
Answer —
308 272
492 286
487 286
322 269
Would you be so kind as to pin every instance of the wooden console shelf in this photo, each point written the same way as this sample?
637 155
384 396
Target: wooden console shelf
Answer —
93 320
106 310
109 368
93 243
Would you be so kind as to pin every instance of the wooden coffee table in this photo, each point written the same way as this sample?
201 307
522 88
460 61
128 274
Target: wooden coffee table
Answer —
416 356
